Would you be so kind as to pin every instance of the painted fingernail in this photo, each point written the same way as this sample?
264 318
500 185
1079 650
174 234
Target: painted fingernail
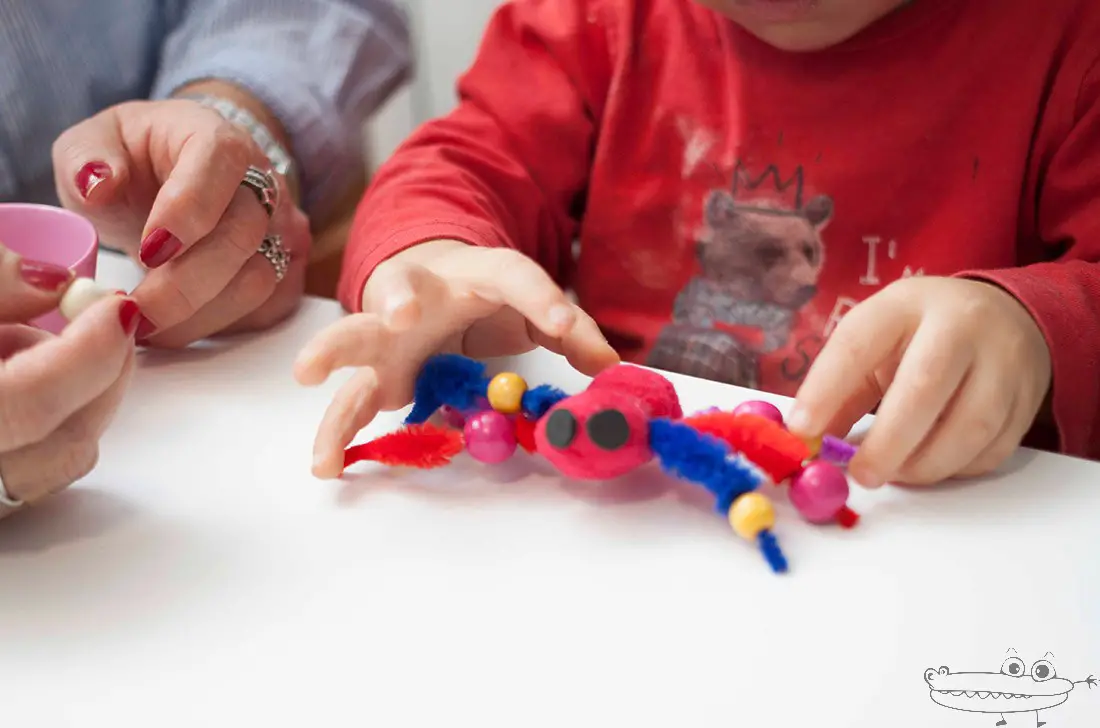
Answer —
145 329
562 317
44 276
90 176
129 315
158 248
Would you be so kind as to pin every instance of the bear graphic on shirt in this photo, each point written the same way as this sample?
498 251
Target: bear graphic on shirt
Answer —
758 265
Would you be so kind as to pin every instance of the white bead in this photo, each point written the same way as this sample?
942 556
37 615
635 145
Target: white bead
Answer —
82 293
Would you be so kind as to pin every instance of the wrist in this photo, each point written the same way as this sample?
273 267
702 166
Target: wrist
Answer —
419 254
279 151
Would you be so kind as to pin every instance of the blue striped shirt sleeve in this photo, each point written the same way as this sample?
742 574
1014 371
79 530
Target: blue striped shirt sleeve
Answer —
321 66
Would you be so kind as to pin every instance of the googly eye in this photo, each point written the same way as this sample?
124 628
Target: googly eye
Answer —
1014 667
608 429
561 428
1042 671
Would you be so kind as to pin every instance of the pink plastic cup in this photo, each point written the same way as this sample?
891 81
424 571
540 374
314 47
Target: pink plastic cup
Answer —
50 235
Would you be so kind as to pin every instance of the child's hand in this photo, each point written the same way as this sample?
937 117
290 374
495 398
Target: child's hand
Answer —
434 297
961 370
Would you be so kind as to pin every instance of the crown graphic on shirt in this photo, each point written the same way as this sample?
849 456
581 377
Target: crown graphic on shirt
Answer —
768 190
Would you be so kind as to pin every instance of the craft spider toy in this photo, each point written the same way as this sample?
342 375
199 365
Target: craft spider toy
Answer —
626 417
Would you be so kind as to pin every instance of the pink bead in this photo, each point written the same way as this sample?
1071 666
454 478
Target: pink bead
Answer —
490 437
819 492
767 410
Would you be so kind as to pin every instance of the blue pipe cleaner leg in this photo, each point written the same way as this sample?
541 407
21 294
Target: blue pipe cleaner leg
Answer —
687 453
447 379
769 546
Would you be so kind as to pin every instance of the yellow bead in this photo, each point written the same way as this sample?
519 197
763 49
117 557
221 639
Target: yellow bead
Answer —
506 393
814 444
750 514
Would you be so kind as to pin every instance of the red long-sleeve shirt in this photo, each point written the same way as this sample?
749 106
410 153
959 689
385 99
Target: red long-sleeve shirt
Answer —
732 201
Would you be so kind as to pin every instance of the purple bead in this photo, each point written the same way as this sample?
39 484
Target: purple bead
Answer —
766 410
836 451
490 437
452 417
819 492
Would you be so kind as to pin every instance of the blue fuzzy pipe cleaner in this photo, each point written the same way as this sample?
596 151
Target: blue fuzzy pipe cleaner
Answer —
447 379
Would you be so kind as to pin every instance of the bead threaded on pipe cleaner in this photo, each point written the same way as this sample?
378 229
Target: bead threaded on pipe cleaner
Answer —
752 517
490 437
836 451
505 393
759 408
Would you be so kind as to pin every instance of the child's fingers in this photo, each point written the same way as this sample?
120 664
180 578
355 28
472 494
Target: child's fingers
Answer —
843 375
584 346
929 374
1002 446
396 293
972 420
508 278
352 409
352 341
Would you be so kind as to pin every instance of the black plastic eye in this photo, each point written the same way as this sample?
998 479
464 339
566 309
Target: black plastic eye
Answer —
608 430
561 428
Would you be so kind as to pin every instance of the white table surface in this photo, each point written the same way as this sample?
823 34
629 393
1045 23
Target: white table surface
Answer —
201 576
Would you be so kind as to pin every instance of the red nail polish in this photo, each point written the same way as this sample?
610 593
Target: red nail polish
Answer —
158 248
145 329
45 277
90 176
128 315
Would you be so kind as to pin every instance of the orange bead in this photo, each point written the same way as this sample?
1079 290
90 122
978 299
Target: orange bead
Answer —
506 392
750 514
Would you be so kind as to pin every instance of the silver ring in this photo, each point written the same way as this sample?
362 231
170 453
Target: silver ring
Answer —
272 249
263 184
6 501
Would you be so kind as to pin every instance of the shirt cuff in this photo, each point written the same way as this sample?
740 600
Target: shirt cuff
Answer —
1058 303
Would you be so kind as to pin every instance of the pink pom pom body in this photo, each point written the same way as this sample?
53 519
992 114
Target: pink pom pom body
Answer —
766 410
819 492
596 435
655 393
490 437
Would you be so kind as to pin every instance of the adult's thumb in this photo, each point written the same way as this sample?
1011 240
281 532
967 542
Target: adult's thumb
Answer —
29 288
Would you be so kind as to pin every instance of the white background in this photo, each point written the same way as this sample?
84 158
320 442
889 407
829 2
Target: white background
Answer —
447 35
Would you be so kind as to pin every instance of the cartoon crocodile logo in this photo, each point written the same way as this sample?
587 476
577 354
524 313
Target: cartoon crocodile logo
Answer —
1015 689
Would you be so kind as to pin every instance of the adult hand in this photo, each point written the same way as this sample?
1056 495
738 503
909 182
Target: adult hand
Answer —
439 296
959 371
162 181
57 393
